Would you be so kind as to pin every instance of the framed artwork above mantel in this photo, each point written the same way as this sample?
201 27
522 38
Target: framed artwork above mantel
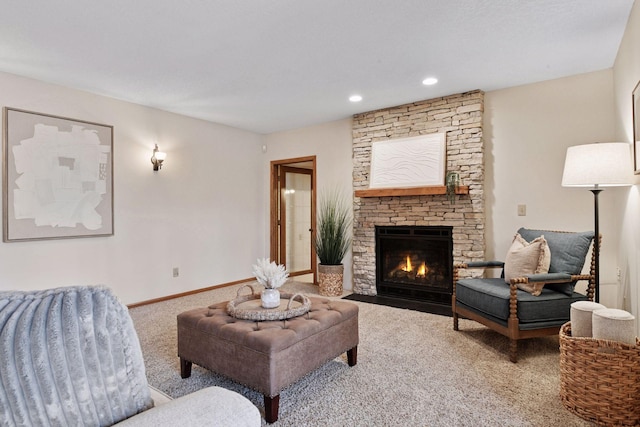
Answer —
57 177
636 128
416 161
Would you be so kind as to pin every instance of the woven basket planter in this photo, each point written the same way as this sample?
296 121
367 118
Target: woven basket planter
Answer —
330 278
600 379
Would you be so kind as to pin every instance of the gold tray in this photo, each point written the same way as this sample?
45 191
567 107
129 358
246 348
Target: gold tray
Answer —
249 306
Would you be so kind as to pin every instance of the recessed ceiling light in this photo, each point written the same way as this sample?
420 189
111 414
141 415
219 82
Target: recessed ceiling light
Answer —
355 98
429 81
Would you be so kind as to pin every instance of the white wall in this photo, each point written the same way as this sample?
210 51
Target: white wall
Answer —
331 144
527 131
203 212
626 73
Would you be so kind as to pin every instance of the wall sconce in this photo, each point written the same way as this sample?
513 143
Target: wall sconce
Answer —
157 158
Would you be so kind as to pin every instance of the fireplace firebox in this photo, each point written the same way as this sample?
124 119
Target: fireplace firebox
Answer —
415 263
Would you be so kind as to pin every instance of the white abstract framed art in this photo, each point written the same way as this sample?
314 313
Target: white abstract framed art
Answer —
418 161
57 177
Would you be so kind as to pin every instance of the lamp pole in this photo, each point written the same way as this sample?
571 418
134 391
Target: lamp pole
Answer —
596 242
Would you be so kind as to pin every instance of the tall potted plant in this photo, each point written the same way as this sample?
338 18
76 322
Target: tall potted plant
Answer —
333 238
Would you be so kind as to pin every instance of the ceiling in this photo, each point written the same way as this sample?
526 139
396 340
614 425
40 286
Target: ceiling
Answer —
268 66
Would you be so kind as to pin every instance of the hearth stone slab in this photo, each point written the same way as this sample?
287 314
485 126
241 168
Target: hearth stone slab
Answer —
267 356
422 306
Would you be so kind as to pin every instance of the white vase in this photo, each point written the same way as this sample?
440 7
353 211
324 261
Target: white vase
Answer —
270 298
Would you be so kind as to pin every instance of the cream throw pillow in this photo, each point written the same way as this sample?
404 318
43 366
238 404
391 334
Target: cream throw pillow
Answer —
524 258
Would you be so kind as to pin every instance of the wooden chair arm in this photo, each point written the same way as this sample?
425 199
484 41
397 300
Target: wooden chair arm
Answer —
472 264
479 264
550 278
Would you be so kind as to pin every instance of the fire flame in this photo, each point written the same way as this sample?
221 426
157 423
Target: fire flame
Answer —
407 267
422 270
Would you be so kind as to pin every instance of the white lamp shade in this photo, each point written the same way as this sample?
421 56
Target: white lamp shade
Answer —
606 164
160 155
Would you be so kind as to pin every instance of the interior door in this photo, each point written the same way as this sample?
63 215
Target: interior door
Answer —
296 217
293 216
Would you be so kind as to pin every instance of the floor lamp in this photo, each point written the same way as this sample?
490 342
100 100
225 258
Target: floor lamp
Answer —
606 164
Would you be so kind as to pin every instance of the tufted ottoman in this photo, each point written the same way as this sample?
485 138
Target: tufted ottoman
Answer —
271 355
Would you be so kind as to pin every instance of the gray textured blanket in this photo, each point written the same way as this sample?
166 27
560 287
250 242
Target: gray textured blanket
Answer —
69 357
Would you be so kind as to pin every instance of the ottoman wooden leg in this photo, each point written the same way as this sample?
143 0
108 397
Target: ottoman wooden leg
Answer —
352 356
185 368
271 405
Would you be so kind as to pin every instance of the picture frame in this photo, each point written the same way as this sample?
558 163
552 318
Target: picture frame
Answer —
635 99
57 177
418 161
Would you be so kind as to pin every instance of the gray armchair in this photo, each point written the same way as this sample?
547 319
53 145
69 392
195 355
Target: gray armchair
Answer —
71 356
517 313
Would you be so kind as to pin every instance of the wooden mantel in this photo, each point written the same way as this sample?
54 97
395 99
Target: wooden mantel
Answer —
413 191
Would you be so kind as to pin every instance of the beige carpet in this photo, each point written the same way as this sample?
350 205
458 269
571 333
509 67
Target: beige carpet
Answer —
413 370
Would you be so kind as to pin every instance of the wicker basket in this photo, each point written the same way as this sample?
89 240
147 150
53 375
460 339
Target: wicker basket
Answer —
600 379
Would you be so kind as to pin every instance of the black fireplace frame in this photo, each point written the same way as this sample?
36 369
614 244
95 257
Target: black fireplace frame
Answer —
437 298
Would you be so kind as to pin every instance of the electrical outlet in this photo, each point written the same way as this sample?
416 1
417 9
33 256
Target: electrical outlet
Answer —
522 210
176 272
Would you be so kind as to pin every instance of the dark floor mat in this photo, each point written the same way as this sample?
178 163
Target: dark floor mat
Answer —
425 307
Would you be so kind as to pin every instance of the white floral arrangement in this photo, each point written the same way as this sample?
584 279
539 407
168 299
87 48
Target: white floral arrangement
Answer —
269 274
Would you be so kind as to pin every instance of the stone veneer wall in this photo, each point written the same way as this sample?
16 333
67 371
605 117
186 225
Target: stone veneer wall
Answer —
460 117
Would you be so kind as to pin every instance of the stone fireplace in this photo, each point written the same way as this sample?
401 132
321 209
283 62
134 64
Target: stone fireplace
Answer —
459 117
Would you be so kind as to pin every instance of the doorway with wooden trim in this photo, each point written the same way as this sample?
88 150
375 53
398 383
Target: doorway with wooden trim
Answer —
293 219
